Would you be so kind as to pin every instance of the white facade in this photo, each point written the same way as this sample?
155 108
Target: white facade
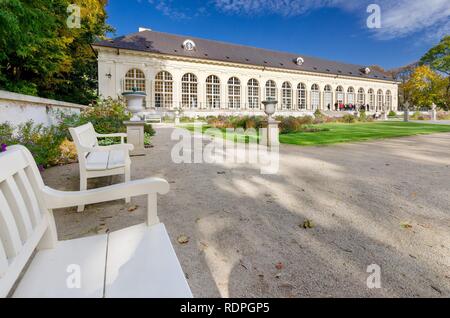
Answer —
239 87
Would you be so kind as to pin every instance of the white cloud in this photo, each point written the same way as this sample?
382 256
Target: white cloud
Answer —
399 18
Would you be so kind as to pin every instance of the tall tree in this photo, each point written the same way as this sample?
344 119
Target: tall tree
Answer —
41 55
424 87
438 59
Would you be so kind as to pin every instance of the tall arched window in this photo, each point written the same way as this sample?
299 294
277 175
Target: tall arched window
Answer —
301 96
371 99
340 95
212 92
351 96
361 99
189 98
271 90
379 100
134 80
163 90
286 96
389 100
328 97
315 96
234 93
253 93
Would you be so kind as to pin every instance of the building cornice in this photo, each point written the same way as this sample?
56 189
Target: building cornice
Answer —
118 51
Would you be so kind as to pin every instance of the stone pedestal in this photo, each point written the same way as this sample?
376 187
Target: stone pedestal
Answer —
270 135
135 136
385 115
177 119
406 115
433 114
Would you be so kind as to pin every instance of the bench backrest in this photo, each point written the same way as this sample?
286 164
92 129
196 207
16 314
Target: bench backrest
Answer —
24 220
84 136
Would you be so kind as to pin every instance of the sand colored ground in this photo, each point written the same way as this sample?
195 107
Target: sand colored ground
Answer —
383 202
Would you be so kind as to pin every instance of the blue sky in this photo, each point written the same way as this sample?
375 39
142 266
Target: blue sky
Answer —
330 29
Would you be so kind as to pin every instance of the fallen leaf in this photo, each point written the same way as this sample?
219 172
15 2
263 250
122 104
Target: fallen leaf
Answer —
102 229
278 275
183 239
406 225
307 224
220 172
132 208
279 266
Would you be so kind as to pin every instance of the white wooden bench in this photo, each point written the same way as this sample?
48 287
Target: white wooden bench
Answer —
100 161
152 118
138 261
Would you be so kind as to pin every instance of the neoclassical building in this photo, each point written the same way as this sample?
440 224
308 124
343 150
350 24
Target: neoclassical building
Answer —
202 77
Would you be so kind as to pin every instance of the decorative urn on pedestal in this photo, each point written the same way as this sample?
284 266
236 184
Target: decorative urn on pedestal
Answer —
135 100
270 136
135 126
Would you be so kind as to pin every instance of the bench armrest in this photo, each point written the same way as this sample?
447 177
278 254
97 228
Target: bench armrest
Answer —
55 199
121 135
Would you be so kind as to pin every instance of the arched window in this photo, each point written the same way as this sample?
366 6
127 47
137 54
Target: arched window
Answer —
234 93
301 96
315 96
189 98
213 91
253 93
271 90
379 99
389 100
351 96
286 96
328 97
371 99
163 90
134 80
340 95
361 99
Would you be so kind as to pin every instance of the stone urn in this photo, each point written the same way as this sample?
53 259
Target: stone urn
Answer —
135 100
270 107
270 135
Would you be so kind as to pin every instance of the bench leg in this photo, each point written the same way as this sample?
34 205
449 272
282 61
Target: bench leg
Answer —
83 186
127 179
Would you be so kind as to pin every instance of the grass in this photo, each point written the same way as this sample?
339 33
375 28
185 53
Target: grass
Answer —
339 133
334 133
235 136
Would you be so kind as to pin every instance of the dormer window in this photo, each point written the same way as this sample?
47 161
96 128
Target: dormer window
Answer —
189 45
300 61
367 71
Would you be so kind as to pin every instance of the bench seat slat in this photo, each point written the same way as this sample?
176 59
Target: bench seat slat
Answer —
142 263
48 274
30 198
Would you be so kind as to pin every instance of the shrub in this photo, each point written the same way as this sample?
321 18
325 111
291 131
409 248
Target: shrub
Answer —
318 114
443 116
362 116
148 129
392 114
289 125
348 118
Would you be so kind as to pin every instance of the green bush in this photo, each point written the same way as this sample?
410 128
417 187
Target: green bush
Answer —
348 118
392 114
43 142
362 116
318 114
289 125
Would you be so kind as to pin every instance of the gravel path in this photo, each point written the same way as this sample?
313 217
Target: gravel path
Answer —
383 202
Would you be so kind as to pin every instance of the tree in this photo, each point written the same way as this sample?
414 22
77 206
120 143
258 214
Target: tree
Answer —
438 59
424 87
40 55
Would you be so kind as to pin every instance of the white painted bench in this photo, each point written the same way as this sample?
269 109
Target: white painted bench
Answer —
152 118
100 161
138 261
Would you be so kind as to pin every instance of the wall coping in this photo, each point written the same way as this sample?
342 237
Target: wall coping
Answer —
5 95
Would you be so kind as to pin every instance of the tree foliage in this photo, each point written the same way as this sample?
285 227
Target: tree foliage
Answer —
40 55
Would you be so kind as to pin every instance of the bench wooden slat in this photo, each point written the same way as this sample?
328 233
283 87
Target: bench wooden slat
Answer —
9 232
142 263
3 260
17 203
30 198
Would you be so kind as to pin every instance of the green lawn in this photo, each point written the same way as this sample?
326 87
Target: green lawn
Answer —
339 133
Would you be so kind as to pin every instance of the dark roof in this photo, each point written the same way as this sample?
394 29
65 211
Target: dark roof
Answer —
170 44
